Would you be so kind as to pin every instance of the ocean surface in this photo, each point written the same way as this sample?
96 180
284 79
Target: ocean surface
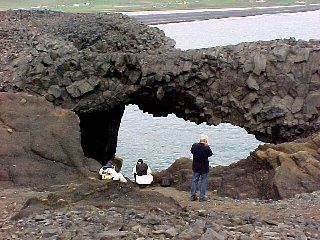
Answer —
161 140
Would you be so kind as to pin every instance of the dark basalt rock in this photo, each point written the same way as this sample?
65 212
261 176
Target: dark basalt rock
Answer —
40 144
95 64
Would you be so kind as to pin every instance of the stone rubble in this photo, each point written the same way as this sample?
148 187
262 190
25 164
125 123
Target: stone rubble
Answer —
220 218
95 64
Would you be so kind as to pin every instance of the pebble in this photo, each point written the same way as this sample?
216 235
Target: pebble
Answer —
74 222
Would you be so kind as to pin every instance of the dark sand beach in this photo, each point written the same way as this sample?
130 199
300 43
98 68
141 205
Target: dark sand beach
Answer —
153 18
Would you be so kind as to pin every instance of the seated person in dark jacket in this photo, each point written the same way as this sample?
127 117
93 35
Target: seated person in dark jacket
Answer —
110 169
142 173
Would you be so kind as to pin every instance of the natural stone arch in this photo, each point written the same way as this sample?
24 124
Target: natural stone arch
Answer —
271 89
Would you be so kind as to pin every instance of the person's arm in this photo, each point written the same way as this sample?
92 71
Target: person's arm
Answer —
149 170
114 168
192 149
209 152
110 171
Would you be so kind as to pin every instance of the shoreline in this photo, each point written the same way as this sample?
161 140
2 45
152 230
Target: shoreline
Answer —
179 16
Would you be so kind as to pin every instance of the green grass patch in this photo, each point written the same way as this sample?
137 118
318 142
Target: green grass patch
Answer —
138 5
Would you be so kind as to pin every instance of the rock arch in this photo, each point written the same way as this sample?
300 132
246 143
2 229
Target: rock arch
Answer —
96 64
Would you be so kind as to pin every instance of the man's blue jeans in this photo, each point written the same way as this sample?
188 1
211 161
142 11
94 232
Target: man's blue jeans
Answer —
203 185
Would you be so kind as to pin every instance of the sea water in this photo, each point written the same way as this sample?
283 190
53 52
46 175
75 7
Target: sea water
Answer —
161 140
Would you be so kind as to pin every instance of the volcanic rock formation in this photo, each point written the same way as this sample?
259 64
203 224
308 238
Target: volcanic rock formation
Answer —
96 64
40 144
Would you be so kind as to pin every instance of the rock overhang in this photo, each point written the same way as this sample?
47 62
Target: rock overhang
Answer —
98 63
95 64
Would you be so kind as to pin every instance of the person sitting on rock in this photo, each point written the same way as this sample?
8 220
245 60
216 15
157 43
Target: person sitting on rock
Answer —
110 170
142 173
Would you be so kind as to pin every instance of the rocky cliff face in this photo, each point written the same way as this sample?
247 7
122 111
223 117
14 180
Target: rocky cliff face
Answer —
100 62
95 64
40 144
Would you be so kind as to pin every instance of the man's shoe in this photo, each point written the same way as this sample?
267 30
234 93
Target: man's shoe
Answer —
193 198
203 200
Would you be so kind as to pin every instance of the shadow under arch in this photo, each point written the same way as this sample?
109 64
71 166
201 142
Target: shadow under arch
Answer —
99 133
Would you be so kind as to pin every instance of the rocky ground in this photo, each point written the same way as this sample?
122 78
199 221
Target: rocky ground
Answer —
33 154
82 211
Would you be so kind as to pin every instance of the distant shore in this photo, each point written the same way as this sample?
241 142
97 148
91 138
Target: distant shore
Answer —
164 17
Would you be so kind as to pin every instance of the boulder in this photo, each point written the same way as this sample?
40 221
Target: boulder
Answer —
40 144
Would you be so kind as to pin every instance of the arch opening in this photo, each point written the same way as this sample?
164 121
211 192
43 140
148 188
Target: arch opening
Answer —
162 140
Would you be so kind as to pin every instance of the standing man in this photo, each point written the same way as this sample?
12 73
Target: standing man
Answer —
200 167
